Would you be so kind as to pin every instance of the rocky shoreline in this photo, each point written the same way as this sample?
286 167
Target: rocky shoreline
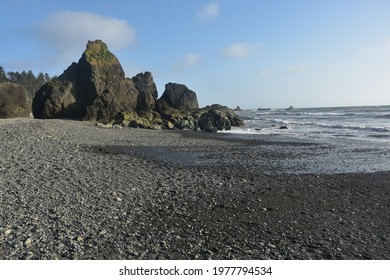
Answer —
96 89
73 190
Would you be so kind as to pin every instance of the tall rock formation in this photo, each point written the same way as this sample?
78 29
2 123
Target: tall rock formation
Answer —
15 102
94 88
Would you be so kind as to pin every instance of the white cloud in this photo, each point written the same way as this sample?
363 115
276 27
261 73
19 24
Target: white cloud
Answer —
241 50
67 32
208 12
187 61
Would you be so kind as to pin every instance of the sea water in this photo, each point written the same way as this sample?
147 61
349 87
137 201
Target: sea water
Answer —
353 139
370 123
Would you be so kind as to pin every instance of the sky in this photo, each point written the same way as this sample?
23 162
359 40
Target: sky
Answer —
247 53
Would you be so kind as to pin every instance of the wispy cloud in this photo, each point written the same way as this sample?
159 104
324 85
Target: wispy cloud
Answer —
289 69
67 32
295 68
385 45
241 50
368 50
187 62
208 12
265 72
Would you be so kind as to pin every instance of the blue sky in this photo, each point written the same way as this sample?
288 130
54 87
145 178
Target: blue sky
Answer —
248 53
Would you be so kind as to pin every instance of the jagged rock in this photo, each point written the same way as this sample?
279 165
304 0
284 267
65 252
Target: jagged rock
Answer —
186 122
95 88
142 119
147 89
140 122
177 96
14 101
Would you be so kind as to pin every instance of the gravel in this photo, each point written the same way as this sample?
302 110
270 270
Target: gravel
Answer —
73 190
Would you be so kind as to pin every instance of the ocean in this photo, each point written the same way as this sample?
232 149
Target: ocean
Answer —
352 139
368 123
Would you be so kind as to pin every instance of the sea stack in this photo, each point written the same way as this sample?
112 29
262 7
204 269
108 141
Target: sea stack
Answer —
96 89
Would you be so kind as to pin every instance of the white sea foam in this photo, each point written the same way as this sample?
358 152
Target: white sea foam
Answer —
371 123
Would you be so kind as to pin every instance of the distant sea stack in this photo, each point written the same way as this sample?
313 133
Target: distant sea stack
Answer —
96 89
15 102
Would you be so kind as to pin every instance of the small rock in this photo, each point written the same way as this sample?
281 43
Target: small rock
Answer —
7 232
28 256
134 253
170 125
103 232
119 199
102 125
79 238
28 242
271 246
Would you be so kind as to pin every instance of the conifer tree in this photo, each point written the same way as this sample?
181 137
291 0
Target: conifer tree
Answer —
3 76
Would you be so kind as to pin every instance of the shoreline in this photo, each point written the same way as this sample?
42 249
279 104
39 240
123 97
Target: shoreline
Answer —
71 190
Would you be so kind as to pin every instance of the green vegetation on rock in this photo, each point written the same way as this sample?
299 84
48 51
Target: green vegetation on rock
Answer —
97 53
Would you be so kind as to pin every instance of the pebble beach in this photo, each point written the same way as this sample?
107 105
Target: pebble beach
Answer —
73 190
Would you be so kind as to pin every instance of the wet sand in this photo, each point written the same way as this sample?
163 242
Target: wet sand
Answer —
72 190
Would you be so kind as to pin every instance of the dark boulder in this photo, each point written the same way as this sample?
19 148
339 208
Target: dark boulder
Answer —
214 120
176 106
56 99
179 97
217 117
14 101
